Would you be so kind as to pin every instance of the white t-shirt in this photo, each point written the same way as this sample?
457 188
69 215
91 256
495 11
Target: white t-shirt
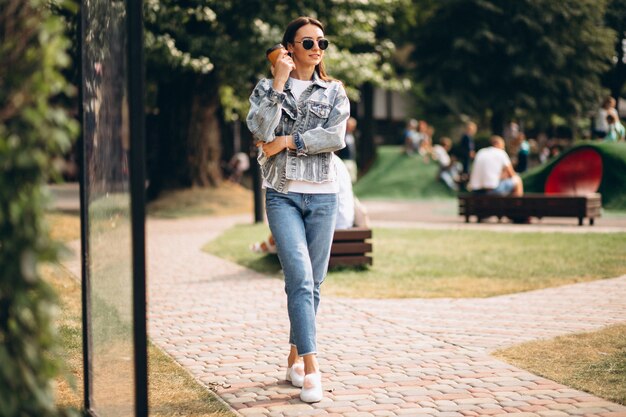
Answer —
298 87
305 187
601 123
441 155
487 168
345 198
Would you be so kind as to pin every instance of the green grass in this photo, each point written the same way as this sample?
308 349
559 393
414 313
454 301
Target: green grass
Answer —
425 263
172 390
594 362
395 175
226 199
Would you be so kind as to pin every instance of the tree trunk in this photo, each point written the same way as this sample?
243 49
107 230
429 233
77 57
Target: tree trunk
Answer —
186 147
618 78
497 122
366 147
204 148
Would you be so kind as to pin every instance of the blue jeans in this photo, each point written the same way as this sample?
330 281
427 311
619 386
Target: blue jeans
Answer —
303 226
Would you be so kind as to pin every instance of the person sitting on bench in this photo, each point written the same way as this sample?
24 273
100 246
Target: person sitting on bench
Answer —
350 211
492 172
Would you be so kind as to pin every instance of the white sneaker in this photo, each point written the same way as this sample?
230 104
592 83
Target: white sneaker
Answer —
312 388
295 374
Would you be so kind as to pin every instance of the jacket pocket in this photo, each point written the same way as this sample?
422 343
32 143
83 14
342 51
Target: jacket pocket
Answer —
317 114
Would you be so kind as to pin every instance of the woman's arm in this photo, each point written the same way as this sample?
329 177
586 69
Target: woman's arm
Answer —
267 99
329 137
265 111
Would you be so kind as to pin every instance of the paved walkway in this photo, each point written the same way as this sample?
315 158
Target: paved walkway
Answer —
228 326
443 215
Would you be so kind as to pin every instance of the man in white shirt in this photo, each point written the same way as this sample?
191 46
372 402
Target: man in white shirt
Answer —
492 172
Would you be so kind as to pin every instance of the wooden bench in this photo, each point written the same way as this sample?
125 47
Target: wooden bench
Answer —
350 247
521 208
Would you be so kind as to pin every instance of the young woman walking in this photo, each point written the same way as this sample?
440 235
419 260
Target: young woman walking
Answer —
299 119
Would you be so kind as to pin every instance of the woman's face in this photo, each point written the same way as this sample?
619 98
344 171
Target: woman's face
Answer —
304 57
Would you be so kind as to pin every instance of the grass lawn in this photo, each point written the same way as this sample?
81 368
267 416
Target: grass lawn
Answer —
226 199
394 175
172 391
429 264
594 362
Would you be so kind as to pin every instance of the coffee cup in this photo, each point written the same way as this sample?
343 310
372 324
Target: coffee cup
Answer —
274 52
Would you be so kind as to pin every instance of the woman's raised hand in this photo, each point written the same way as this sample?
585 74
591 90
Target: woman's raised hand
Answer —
281 70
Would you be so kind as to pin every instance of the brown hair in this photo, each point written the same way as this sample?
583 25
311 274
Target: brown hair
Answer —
290 35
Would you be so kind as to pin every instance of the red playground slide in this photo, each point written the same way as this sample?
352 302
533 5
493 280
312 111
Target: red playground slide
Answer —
577 173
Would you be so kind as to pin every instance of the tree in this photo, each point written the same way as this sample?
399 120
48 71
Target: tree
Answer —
615 18
32 133
532 57
205 56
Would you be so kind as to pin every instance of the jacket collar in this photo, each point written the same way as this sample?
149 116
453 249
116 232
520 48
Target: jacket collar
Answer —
316 80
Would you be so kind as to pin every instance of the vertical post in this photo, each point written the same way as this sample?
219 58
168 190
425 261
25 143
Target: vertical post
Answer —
257 185
367 146
134 9
84 223
236 136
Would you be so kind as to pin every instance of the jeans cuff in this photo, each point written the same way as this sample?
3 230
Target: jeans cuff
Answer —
300 148
277 97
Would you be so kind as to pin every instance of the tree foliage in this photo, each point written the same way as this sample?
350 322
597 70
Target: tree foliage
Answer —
615 18
532 57
32 132
204 58
229 38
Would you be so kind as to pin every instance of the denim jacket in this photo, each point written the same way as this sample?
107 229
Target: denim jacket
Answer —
317 122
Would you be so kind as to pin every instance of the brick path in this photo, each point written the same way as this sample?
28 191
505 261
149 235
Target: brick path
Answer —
228 326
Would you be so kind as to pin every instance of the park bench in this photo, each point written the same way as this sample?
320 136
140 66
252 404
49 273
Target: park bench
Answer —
350 247
518 209
569 191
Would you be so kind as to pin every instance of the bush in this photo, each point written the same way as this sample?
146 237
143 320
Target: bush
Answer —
32 133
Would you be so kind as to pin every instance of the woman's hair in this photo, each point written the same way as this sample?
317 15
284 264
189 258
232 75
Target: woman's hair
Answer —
290 36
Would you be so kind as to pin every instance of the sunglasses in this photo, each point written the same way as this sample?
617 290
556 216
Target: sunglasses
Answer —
307 43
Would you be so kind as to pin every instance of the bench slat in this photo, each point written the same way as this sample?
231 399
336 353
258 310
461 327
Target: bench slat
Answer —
352 234
350 260
350 248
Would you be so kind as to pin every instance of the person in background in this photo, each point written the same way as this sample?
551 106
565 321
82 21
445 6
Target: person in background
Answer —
410 137
523 152
616 131
468 147
601 126
425 132
348 154
511 131
238 165
448 169
349 210
493 172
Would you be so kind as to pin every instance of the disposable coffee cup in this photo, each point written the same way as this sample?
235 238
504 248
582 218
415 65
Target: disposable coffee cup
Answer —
274 52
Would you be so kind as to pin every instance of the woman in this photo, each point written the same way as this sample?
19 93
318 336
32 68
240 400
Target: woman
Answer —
299 119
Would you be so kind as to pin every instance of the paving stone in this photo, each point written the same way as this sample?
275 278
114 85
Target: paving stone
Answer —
411 357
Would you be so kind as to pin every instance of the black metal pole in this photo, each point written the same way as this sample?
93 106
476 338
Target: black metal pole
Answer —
84 223
134 9
257 185
367 148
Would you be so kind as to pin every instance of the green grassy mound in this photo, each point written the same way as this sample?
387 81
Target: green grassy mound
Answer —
613 185
395 175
